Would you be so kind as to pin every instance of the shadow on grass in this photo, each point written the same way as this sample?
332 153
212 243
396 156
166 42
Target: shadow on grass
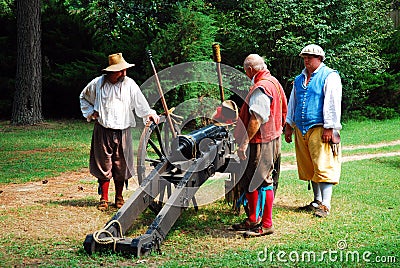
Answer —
287 207
213 221
71 203
388 161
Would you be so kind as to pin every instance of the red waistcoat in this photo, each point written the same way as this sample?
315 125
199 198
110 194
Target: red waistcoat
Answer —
273 128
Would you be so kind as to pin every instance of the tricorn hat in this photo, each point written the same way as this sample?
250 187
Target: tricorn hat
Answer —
226 114
117 63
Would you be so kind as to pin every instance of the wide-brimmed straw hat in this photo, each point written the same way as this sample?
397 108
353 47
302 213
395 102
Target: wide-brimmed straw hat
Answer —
117 63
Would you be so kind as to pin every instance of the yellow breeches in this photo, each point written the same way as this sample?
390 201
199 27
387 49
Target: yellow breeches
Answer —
315 160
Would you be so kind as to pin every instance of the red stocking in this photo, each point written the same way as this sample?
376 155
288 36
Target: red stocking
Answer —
267 217
252 199
104 189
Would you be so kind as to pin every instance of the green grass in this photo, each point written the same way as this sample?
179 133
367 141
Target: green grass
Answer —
370 132
36 152
365 216
364 132
365 209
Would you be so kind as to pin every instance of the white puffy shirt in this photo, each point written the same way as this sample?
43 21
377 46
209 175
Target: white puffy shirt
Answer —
115 103
259 104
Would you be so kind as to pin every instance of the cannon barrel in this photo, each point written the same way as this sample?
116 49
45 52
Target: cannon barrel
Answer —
186 147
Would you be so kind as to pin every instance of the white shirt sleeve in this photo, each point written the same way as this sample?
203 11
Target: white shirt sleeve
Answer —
333 101
259 104
87 98
139 103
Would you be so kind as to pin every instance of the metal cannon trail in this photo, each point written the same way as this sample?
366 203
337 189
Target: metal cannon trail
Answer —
191 160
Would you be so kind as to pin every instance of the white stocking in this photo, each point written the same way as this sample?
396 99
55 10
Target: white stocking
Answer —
326 191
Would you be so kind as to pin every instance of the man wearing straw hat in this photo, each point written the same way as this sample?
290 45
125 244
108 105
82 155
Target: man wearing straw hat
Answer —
111 100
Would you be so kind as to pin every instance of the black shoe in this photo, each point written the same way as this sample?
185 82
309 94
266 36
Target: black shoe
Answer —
314 205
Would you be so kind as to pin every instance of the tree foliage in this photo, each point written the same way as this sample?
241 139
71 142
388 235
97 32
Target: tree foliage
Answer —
188 39
175 32
351 32
357 36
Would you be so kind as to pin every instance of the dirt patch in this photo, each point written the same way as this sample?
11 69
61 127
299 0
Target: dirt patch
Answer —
71 186
62 206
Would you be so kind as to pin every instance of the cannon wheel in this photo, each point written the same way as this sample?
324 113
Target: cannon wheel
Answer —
154 146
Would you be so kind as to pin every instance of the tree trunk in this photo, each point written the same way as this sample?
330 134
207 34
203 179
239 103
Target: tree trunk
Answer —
27 105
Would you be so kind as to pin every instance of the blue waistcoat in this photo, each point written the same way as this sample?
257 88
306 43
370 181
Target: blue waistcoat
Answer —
310 99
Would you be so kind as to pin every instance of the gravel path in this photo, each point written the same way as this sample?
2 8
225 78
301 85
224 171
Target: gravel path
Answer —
356 157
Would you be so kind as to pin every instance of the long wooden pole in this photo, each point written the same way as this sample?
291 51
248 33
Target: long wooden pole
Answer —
164 104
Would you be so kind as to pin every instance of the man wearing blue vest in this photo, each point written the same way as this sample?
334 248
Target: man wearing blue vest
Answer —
314 112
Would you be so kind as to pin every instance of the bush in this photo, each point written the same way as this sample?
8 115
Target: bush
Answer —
380 113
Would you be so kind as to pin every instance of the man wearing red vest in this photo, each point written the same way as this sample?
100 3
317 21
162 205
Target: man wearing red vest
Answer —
258 134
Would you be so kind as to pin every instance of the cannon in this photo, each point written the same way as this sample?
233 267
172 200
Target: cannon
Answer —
171 168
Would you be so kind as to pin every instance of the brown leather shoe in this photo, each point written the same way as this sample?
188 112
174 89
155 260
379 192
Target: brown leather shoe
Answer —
322 211
119 201
103 205
259 231
244 226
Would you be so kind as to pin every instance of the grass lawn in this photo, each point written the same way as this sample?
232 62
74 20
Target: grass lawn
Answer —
362 230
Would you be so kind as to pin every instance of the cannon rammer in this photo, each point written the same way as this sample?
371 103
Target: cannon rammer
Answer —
186 164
